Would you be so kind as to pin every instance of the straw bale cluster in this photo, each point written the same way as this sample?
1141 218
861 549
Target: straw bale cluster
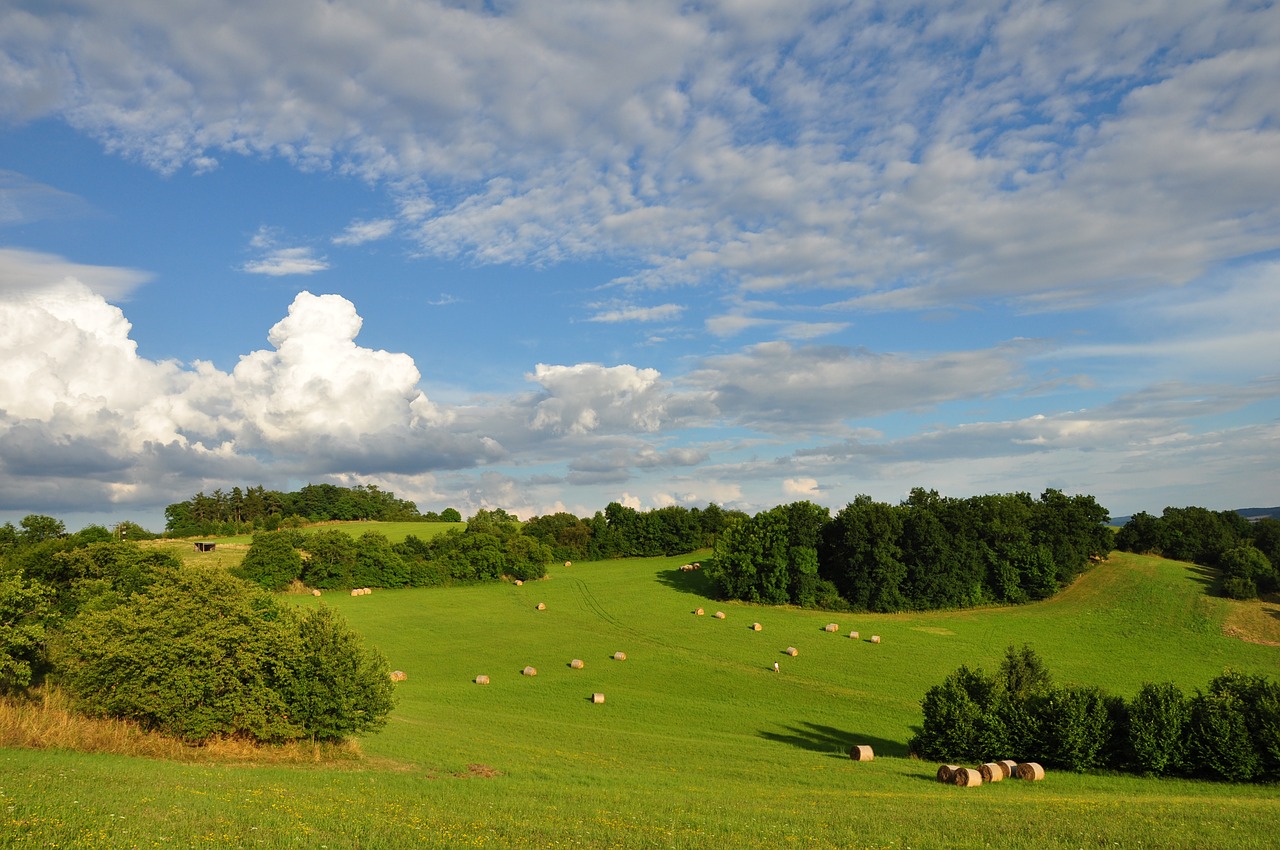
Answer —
688 568
361 591
994 771
398 675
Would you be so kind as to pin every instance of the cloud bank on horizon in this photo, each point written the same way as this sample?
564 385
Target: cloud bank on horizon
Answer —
659 253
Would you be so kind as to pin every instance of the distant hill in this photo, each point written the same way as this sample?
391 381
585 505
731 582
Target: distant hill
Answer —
1251 514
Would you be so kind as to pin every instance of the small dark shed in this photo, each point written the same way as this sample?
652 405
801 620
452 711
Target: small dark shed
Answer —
205 547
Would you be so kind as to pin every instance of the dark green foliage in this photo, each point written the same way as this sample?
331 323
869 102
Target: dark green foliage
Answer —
450 515
1023 674
272 560
527 558
1248 554
37 528
961 721
1220 743
377 563
1259 702
566 535
1075 726
255 508
860 555
1245 570
201 654
1159 726
330 560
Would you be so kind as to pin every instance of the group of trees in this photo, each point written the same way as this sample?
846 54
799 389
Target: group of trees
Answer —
490 547
622 532
193 652
1247 554
256 508
928 552
1229 731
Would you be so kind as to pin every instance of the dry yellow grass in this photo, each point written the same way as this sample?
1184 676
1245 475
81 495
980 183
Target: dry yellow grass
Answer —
1255 621
44 721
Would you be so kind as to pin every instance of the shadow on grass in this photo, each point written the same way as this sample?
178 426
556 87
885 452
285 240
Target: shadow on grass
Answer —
1205 576
834 742
693 582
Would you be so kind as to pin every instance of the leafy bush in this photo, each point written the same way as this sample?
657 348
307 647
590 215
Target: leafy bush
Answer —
1220 742
203 654
272 561
1075 728
1159 723
25 611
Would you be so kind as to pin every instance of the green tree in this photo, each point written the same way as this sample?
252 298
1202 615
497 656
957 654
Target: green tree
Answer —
272 560
450 515
1159 725
25 614
37 528
377 563
330 561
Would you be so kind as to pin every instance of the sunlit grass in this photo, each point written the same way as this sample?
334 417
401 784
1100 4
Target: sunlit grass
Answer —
699 742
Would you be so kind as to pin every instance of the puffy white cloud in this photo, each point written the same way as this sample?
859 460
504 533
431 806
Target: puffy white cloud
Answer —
589 397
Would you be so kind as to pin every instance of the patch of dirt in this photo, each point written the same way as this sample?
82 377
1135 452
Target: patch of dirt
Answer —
479 771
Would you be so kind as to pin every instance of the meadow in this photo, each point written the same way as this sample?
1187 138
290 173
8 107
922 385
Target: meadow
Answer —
699 743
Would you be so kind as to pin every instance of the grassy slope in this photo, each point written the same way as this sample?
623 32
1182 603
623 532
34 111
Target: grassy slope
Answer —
699 742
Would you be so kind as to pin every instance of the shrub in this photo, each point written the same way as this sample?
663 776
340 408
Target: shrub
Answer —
25 611
956 724
1075 728
330 561
1159 723
272 560
1220 743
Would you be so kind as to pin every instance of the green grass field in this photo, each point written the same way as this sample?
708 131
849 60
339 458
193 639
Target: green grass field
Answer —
698 743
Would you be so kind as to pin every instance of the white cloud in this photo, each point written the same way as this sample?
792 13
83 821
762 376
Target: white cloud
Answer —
660 313
962 153
33 271
360 232
287 261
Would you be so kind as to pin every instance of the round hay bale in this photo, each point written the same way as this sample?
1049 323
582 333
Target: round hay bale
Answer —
1029 770
577 664
355 591
1008 766
861 752
831 627
482 680
992 771
697 566
719 615
568 563
875 638
597 698
519 583
542 606
966 777
315 592
699 611
619 656
853 635
755 627
792 651
946 771
529 671
398 675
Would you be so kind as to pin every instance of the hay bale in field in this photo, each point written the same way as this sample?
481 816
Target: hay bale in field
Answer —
697 566
1008 766
542 606
597 698
946 771
529 671
398 675
992 771
698 611
519 583
853 635
792 651
568 563
831 627
755 627
1030 771
875 638
861 752
577 664
355 591
966 777
482 680
315 592
719 615
619 656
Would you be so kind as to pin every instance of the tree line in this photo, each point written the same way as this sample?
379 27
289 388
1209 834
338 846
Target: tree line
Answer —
243 511
191 651
927 552
1230 730
1246 554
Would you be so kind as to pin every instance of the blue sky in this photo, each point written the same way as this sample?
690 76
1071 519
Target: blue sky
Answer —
544 256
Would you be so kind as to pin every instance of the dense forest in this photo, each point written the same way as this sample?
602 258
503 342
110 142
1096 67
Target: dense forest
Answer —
1247 553
928 552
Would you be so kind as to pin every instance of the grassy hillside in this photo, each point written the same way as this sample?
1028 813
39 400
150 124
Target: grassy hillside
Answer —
698 744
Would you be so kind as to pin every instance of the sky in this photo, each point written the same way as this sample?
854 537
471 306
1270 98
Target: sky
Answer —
548 255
